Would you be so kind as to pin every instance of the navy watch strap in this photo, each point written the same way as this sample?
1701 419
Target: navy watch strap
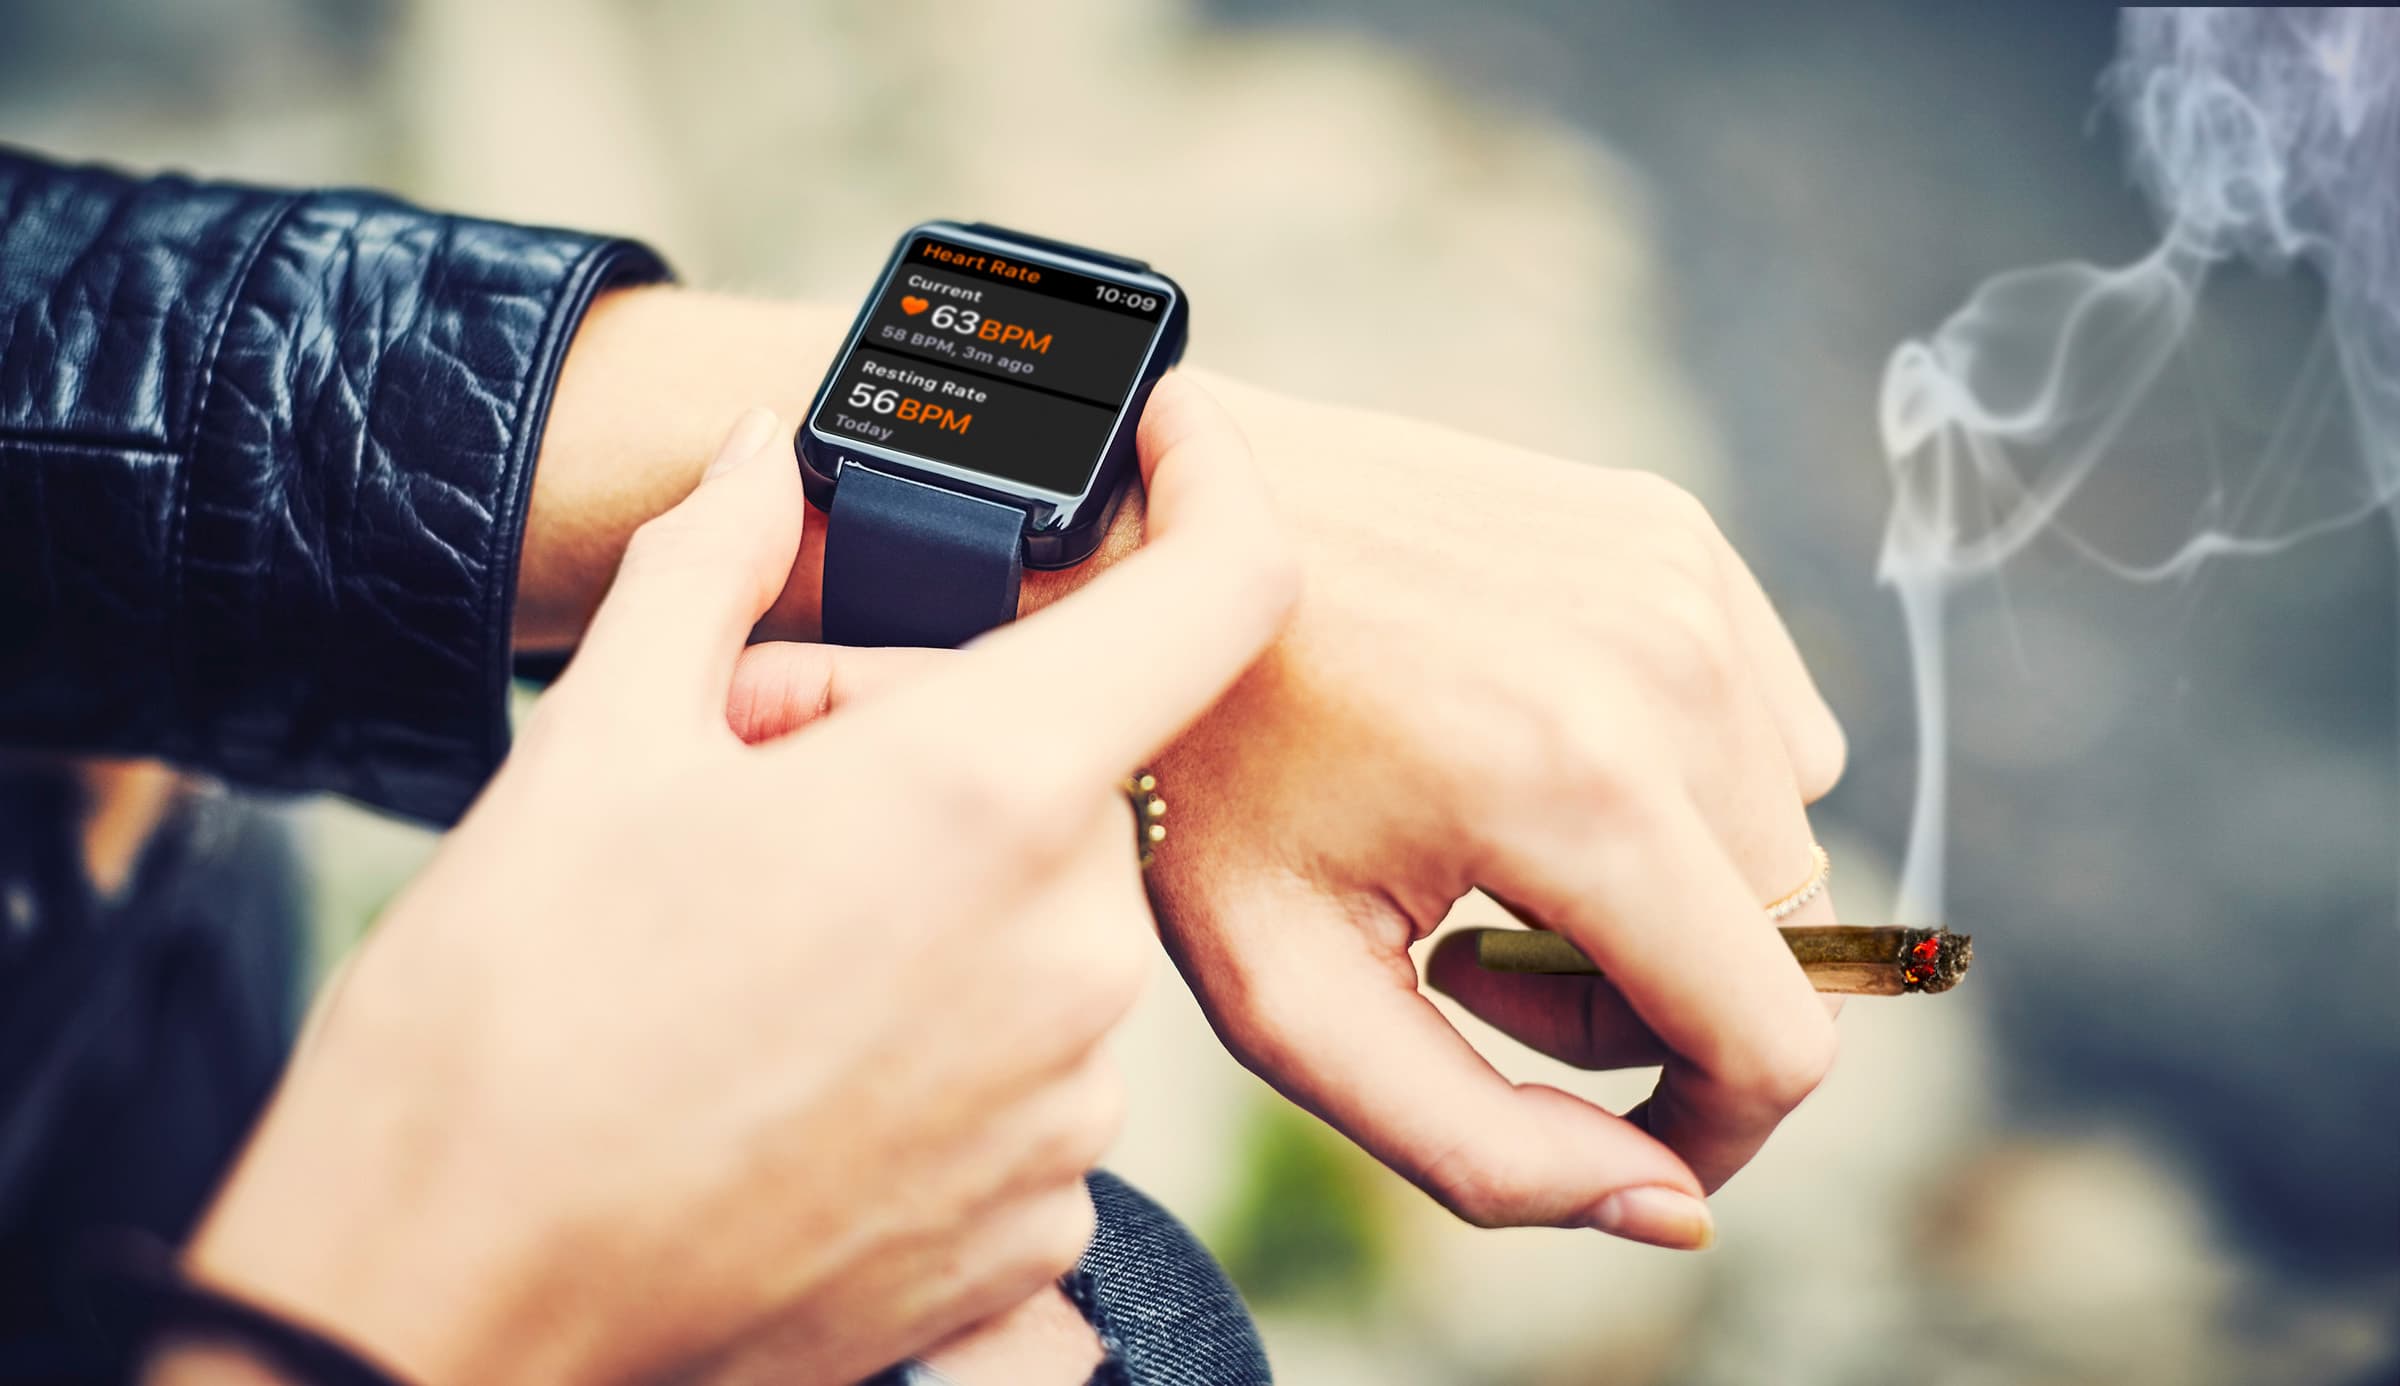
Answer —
910 564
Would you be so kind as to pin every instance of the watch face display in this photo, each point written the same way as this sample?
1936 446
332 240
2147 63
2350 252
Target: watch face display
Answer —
985 362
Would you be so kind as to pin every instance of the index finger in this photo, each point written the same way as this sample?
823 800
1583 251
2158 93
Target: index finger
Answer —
1087 689
1341 1029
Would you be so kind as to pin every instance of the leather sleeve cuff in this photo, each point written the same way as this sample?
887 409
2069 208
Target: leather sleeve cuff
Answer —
354 499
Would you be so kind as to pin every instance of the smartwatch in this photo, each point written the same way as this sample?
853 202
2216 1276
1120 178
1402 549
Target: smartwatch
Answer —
979 421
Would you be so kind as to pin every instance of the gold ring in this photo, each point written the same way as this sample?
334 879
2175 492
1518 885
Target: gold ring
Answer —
1142 792
1788 904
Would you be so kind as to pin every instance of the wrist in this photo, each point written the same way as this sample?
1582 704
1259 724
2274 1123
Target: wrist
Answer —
186 1331
361 1219
182 1359
648 385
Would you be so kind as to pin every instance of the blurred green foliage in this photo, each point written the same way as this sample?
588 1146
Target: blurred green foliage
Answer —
1304 1225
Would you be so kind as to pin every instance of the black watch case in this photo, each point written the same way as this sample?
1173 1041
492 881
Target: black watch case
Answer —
1060 530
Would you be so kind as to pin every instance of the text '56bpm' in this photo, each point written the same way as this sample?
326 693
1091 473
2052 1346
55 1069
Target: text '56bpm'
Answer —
892 399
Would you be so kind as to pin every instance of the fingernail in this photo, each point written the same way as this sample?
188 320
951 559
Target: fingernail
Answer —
746 440
1657 1215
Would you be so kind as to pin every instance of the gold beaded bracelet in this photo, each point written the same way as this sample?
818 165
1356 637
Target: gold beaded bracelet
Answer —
1142 792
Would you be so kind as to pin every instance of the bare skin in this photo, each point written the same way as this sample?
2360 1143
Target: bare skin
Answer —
1559 685
611 1094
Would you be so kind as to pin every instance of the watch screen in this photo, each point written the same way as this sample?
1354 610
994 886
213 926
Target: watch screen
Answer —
977 360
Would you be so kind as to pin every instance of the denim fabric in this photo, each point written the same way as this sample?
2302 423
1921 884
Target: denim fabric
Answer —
152 1028
1162 1306
1164 1311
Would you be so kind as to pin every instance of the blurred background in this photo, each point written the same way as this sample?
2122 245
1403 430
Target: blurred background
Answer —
2155 1139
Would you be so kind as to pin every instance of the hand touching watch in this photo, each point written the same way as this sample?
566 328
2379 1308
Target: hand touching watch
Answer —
612 1093
1489 639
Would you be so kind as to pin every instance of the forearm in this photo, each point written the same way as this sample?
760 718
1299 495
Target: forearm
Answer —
651 381
649 384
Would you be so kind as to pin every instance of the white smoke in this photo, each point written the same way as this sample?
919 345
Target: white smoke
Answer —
2264 136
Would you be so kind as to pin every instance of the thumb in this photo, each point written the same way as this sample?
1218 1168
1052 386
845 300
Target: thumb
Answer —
1318 1010
781 687
695 580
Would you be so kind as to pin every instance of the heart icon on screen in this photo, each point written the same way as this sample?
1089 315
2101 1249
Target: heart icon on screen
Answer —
913 305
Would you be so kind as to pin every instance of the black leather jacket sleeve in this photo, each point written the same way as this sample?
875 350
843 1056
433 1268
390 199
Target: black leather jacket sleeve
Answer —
264 459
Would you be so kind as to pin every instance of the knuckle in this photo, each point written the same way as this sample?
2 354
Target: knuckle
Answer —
1603 777
1611 778
1685 549
1561 765
1820 761
975 797
1258 1015
1688 633
1670 509
1782 1077
1687 648
1527 746
1476 1188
